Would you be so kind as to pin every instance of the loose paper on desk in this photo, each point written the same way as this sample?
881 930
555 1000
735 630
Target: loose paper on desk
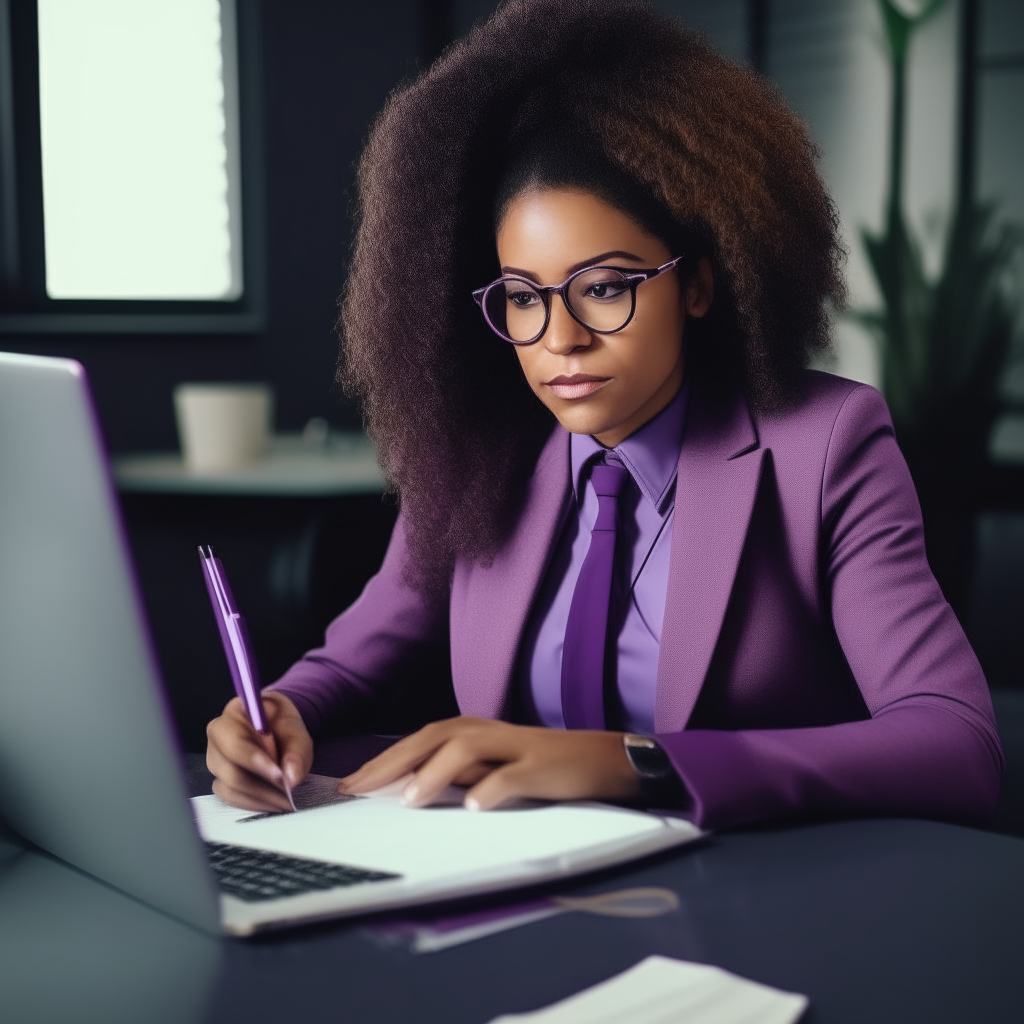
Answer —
660 990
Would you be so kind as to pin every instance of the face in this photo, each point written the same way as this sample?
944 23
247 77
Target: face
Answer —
607 385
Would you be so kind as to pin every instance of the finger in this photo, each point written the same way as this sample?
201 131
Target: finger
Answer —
271 800
411 752
400 759
270 745
469 777
236 780
509 782
497 742
232 744
460 754
560 766
294 744
288 744
474 773
266 799
384 769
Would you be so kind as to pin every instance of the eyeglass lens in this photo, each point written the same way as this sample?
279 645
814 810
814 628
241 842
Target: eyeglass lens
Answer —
601 298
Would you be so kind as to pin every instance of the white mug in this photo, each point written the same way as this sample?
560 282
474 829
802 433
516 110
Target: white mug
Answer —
222 426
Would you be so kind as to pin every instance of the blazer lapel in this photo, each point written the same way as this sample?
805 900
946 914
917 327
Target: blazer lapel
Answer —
490 603
719 470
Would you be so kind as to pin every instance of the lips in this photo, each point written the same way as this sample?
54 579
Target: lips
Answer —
579 385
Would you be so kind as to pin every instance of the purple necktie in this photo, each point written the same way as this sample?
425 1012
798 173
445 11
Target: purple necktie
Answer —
583 654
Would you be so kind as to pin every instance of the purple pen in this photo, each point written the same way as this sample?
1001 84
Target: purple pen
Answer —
234 637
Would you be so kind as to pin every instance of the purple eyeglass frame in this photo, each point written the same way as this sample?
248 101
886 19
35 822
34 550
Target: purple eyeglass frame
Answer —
634 278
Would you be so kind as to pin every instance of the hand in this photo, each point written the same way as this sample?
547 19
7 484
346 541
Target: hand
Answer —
246 762
502 762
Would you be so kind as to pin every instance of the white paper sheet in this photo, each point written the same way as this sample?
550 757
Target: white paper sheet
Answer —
660 990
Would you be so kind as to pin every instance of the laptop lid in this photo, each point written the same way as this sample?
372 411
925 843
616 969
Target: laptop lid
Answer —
89 768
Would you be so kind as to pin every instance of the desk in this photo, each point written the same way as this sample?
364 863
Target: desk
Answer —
877 921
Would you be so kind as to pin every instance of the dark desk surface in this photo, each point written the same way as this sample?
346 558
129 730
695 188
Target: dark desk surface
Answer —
875 920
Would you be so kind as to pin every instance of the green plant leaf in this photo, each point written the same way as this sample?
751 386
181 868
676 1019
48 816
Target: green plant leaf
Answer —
944 343
901 18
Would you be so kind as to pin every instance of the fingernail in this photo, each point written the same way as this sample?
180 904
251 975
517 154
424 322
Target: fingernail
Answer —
410 793
291 772
472 804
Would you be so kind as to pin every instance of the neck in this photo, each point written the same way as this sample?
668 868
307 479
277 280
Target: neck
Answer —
654 405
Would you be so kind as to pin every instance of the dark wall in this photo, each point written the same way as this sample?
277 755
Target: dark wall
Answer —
327 67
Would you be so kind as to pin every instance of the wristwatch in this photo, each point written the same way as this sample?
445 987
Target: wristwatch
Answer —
660 785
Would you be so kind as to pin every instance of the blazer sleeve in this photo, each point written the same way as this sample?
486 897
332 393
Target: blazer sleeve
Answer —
930 747
385 664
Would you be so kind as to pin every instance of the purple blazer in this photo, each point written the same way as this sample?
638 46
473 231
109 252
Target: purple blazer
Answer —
808 661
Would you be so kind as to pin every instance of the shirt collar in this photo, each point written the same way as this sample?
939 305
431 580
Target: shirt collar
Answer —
651 454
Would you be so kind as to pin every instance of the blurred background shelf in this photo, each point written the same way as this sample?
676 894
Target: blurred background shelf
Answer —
344 463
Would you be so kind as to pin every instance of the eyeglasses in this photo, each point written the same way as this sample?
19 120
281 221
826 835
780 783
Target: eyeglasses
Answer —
602 299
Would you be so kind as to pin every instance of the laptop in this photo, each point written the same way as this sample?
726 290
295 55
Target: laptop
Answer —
89 768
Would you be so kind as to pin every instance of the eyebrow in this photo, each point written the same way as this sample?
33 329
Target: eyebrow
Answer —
617 253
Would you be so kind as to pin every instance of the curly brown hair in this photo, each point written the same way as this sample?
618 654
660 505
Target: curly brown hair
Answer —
457 427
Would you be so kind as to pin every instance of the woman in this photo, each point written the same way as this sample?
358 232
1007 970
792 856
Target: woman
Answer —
692 574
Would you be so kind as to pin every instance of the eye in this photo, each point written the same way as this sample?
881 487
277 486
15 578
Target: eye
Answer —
522 298
606 289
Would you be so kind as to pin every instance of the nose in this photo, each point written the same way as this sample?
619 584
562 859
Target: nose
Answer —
564 334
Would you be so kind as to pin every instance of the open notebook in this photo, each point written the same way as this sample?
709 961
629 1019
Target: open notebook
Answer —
390 855
91 771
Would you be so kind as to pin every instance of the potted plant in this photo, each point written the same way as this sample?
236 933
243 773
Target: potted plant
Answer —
943 341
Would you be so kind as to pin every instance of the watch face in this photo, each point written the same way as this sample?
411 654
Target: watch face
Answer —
649 760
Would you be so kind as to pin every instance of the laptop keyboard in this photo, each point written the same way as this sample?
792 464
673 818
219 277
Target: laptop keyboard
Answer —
253 875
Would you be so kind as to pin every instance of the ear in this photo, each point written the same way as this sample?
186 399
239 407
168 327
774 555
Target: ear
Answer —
700 289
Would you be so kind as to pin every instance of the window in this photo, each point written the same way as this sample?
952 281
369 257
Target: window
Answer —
122 200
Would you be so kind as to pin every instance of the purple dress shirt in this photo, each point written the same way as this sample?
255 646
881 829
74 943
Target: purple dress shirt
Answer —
642 557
